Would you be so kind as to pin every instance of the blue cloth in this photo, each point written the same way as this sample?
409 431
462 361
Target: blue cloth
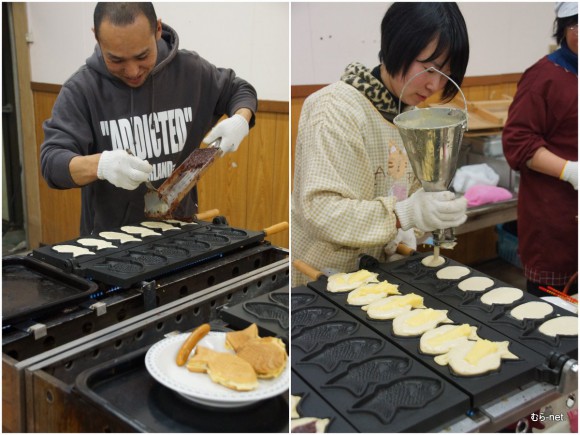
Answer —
565 58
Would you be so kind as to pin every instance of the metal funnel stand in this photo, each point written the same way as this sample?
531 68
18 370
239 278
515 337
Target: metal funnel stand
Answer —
432 138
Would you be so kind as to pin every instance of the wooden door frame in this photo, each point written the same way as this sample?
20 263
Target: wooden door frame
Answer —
30 154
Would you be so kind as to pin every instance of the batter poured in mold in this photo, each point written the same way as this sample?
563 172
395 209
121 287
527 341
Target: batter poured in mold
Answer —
76 251
453 272
99 244
532 310
143 232
433 261
475 284
159 225
502 296
122 237
564 325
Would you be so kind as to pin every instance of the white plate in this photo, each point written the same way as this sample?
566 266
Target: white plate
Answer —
198 387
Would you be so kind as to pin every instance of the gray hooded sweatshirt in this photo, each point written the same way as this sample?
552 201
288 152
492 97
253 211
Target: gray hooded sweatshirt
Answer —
162 122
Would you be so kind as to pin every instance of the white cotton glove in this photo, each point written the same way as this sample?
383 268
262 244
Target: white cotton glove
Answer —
406 237
122 169
570 174
232 131
429 211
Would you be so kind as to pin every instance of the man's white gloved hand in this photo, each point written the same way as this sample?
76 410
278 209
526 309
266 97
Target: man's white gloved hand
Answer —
232 131
570 173
431 211
122 169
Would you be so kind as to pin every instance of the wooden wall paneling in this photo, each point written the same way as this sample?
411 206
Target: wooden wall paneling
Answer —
281 184
224 185
60 209
261 186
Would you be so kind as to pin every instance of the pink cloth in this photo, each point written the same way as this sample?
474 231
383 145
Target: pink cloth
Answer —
481 194
573 417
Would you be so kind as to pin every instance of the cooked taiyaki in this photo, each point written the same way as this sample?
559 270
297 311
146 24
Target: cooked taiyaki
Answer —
371 292
343 282
418 322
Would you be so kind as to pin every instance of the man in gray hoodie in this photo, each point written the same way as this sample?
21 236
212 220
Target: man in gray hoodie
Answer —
138 92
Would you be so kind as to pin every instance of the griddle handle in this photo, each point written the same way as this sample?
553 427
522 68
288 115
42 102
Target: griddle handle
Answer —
307 270
276 228
209 214
403 249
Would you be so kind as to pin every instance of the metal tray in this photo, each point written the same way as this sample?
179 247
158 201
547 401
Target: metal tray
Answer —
481 389
32 287
152 257
155 408
411 271
270 312
369 381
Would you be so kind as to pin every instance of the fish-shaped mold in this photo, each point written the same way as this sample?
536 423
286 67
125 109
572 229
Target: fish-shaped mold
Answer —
328 332
348 350
193 244
357 378
311 316
300 299
280 298
147 259
230 232
266 311
214 239
386 400
171 251
121 266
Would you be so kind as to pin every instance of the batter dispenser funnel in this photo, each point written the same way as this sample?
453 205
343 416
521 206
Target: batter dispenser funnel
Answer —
432 137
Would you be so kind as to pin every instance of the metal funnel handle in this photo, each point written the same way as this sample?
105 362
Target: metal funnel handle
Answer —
432 68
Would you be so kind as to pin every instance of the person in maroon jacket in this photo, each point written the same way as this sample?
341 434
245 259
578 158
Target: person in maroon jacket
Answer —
540 139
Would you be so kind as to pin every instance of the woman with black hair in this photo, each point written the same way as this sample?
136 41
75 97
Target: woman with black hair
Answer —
540 139
354 189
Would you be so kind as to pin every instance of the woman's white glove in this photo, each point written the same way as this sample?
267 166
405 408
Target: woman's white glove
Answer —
122 169
431 211
570 173
406 237
232 131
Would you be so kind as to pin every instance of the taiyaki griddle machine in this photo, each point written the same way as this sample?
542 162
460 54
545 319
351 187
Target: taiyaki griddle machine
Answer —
65 315
356 372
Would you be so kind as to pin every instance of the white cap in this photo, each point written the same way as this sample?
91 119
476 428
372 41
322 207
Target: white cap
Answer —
566 9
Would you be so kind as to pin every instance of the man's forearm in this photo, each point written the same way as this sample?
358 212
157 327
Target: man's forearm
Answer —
245 113
83 169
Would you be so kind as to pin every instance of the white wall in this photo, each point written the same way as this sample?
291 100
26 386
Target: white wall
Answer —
251 38
504 37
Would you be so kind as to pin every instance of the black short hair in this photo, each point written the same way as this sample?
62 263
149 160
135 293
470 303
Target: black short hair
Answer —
560 25
407 28
122 14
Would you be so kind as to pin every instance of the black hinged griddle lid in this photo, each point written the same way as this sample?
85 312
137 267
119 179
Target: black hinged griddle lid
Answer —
31 287
152 256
